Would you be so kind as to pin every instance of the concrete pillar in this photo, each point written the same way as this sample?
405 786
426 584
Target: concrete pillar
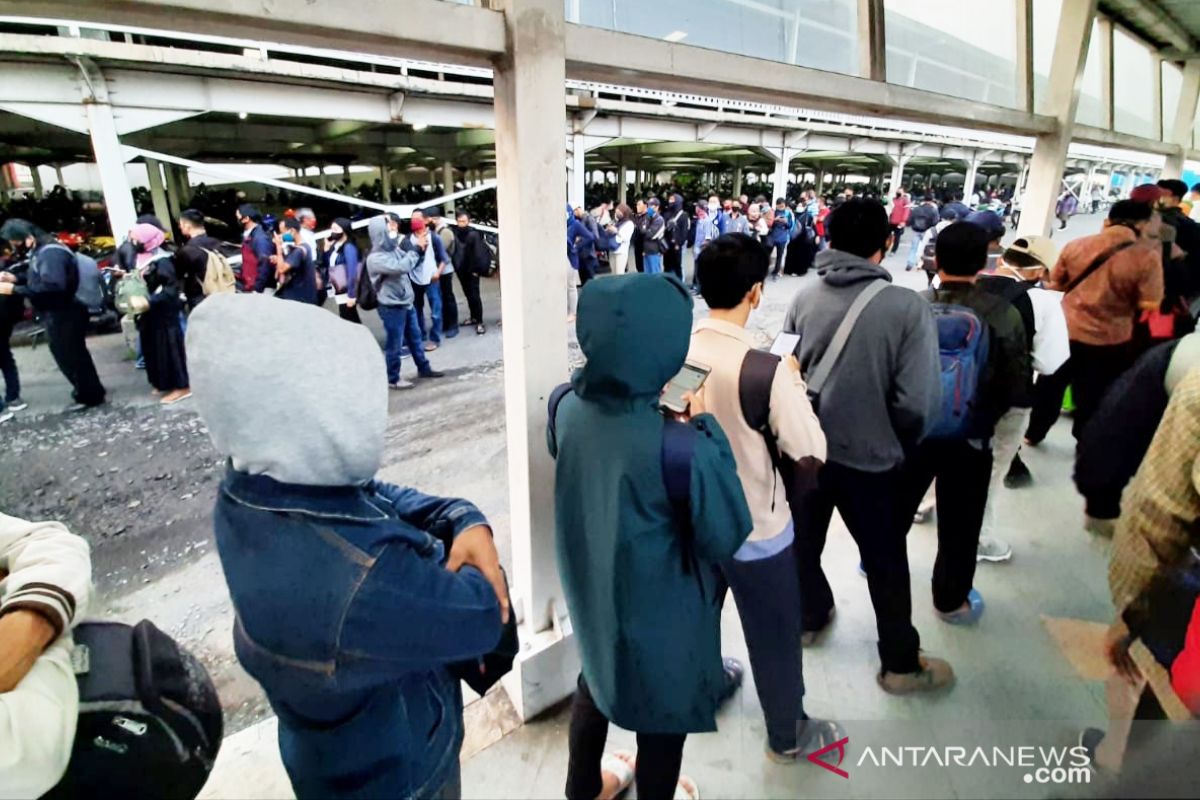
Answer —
385 180
1062 99
820 181
576 172
322 179
448 184
779 180
37 181
183 186
58 176
118 198
737 180
897 177
158 195
971 176
345 173
530 163
1180 133
622 188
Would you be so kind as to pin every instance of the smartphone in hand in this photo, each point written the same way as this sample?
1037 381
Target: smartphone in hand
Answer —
785 344
688 379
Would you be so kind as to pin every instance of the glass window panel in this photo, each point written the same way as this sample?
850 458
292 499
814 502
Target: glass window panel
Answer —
934 45
1045 33
1091 110
822 34
1172 85
1133 86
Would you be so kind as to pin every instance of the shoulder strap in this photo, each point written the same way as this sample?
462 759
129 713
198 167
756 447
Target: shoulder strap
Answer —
678 448
556 397
818 376
754 395
1099 261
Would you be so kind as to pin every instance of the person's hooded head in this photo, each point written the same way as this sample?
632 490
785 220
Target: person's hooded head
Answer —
148 239
21 233
990 222
676 204
384 232
240 392
651 309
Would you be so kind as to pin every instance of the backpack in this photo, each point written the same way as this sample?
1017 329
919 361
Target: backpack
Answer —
963 349
365 295
929 254
678 447
149 718
39 283
218 275
131 286
91 291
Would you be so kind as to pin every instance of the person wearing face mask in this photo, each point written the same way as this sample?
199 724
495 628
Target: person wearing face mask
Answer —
294 270
737 220
50 283
653 232
158 317
623 230
675 236
257 250
472 258
341 261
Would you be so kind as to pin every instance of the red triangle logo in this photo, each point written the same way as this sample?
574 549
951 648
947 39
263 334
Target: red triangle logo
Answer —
818 757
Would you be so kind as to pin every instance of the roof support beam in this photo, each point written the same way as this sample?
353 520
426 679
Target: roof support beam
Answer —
1105 29
872 42
1024 9
1062 95
1180 134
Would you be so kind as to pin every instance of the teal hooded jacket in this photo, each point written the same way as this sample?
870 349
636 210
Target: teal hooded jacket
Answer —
648 629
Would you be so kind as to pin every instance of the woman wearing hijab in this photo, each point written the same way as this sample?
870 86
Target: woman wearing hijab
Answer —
159 316
340 261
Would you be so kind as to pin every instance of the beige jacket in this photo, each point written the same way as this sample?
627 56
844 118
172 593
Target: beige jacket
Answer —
722 346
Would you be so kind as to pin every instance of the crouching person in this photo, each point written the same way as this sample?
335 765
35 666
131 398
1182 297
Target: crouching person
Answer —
353 596
646 508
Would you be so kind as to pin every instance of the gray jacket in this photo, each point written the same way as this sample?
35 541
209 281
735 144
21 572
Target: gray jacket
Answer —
388 266
885 391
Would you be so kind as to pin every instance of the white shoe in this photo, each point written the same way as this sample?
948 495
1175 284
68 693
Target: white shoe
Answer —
5 416
401 384
993 550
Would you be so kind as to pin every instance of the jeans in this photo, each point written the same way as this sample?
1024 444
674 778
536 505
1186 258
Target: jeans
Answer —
449 303
8 364
402 328
420 293
67 331
780 256
470 286
914 250
1093 369
1005 444
659 755
1048 393
962 472
767 593
876 527
653 263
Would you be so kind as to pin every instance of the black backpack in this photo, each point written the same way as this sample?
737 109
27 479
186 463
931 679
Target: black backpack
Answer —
365 296
149 717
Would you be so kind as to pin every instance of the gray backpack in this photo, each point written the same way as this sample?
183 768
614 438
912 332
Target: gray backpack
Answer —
90 293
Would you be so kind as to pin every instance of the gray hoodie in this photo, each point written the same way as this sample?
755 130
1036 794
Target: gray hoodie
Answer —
885 391
388 265
272 414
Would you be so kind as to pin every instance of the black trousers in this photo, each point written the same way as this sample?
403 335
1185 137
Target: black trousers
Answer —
659 755
1093 369
870 505
449 303
897 233
350 314
66 330
470 286
962 472
1048 393
587 270
673 262
639 253
780 257
8 364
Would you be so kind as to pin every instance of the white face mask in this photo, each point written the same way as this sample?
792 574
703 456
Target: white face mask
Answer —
393 235
713 207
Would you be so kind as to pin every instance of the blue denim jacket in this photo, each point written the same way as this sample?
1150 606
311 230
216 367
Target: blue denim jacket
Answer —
348 619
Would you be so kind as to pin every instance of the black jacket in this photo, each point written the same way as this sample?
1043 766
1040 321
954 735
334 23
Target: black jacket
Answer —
471 253
191 264
51 279
923 216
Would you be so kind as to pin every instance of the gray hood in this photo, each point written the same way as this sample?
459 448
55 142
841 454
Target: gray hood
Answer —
839 268
377 230
308 407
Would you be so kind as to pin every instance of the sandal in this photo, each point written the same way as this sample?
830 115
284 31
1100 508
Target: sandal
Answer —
686 789
480 329
176 396
618 765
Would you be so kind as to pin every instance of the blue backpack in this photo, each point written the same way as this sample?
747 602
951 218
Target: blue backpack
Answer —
963 346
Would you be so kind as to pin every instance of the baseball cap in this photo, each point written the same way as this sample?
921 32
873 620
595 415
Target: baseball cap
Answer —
988 220
1040 248
1147 193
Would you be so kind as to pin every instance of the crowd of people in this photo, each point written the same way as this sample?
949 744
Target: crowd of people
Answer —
887 405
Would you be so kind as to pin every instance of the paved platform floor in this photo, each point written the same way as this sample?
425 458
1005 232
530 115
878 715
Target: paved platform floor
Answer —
1014 689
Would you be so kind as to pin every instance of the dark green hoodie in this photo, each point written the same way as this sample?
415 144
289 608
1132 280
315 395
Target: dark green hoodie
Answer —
648 631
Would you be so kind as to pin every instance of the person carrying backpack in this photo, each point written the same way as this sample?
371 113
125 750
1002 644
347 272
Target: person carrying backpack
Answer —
646 507
762 404
985 367
50 283
192 260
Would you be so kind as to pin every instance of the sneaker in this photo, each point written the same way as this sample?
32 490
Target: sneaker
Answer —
809 638
993 550
433 373
735 672
969 615
1089 740
5 416
1018 476
17 405
814 735
139 364
935 673
401 384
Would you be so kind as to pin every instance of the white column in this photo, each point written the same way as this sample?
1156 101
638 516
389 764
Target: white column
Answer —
897 176
1062 99
37 181
779 180
577 172
322 179
622 188
183 188
173 198
972 175
448 183
158 195
385 180
530 163
1185 115
118 198
59 176
737 180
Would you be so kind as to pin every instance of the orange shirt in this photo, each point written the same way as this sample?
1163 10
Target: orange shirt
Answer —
1103 308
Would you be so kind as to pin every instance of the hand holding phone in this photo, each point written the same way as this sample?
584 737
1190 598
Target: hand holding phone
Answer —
684 388
785 344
